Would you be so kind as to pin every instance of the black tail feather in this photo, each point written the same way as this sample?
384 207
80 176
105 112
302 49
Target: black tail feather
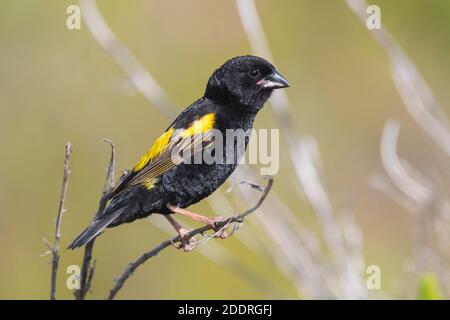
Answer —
94 229
88 234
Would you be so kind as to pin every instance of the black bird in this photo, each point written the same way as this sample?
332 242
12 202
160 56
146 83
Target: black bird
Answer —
163 181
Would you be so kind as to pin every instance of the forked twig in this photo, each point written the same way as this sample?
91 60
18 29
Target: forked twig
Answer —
131 268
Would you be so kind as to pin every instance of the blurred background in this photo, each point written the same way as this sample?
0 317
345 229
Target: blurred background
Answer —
344 208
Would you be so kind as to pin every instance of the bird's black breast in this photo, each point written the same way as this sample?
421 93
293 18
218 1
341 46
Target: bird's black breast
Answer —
187 183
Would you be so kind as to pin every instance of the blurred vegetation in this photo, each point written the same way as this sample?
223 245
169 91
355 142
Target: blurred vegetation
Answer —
429 287
58 85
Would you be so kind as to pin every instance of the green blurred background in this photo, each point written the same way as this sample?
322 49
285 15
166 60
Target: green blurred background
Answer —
58 85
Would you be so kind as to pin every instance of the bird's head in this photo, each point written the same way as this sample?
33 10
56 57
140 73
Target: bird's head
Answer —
245 82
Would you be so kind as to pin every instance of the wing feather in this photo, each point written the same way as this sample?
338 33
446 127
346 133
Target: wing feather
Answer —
167 152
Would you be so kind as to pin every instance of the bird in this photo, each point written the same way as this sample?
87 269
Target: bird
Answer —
164 180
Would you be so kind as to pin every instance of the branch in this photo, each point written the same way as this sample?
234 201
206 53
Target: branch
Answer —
55 248
87 271
131 268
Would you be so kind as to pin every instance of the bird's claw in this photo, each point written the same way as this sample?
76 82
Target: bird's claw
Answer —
220 231
187 243
215 222
222 234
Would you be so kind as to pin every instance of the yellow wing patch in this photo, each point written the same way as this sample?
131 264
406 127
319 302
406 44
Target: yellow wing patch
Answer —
201 125
158 147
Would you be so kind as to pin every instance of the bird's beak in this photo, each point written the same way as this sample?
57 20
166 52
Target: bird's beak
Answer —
273 81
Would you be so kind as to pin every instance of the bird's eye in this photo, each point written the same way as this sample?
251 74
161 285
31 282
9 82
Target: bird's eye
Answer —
254 73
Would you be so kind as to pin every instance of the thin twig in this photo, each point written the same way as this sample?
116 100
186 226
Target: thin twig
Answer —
131 268
55 248
110 177
85 285
87 271
221 255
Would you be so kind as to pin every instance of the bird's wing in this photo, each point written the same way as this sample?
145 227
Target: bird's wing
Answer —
167 151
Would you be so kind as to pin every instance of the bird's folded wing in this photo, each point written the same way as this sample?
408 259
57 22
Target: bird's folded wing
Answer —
168 151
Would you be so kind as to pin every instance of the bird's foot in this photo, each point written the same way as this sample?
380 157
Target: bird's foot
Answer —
187 242
220 230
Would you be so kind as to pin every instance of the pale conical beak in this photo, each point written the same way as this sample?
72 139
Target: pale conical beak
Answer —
273 81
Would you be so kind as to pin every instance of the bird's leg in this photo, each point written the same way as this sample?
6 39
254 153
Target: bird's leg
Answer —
182 231
212 222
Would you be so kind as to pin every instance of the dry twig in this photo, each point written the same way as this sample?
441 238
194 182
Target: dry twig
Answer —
131 268
55 248
87 270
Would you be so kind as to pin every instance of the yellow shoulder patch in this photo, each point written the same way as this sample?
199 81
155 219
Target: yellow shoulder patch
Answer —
158 147
201 125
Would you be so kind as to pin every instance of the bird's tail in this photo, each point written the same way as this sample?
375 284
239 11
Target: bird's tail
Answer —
97 225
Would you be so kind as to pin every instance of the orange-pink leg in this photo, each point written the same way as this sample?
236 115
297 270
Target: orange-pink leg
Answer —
182 231
212 222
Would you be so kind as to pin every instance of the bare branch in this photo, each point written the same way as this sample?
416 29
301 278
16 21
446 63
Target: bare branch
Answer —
131 268
280 236
110 176
55 248
219 254
87 271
